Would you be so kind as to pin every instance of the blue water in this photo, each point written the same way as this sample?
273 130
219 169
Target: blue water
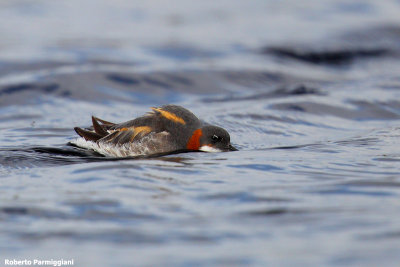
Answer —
309 93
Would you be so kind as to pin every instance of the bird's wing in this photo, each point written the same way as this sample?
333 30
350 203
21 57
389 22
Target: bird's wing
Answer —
125 135
97 131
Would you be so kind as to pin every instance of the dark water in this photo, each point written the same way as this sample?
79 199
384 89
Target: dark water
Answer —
309 91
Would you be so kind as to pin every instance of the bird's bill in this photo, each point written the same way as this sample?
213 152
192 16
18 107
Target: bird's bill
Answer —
232 148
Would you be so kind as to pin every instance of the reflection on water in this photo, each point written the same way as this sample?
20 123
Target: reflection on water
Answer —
309 93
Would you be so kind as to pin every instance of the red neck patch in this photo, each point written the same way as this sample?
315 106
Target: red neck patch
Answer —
194 141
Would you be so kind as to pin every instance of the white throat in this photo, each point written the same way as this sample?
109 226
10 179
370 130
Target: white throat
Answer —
209 149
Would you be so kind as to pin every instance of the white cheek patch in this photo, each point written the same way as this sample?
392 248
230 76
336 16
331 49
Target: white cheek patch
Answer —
209 149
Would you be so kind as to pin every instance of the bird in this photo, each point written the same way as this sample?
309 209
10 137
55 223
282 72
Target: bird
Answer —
165 129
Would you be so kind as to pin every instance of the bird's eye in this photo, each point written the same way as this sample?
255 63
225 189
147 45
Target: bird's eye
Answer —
215 138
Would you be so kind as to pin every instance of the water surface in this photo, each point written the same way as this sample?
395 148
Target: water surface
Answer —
308 91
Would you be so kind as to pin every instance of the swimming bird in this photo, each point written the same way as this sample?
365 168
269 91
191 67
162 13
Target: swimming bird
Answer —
165 129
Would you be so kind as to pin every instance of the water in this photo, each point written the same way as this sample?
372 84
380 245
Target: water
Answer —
308 91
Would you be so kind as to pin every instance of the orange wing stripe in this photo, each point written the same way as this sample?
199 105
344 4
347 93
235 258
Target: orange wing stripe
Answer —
140 130
194 141
169 116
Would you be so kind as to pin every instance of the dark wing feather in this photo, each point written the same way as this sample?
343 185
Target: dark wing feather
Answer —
126 135
122 137
97 131
105 123
87 135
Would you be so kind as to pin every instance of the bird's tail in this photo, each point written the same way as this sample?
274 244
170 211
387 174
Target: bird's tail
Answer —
97 131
